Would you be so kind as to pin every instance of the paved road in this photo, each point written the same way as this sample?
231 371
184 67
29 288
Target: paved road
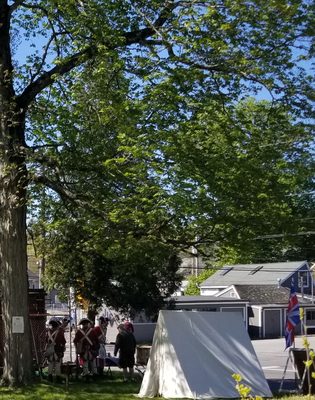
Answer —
273 359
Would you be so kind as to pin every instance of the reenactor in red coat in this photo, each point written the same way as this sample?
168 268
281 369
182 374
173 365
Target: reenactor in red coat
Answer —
100 332
87 346
64 323
55 348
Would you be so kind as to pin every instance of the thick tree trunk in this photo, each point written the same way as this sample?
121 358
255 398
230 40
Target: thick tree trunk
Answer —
14 287
13 258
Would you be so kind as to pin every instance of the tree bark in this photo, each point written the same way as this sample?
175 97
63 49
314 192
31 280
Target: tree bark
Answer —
13 256
14 285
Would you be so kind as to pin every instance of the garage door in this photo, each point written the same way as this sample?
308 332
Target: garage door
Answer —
272 326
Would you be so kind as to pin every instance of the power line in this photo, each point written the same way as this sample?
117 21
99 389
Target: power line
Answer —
277 235
245 269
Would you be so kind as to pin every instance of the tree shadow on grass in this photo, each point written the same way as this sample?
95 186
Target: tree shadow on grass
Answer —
110 388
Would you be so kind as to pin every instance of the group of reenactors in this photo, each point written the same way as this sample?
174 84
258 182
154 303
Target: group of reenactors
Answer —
90 347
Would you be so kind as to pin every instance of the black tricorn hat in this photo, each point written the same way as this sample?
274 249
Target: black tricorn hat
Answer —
85 321
53 322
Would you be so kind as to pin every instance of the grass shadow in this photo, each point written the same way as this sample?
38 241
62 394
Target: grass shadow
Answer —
110 388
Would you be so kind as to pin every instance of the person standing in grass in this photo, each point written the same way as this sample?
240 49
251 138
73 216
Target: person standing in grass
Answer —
126 345
55 348
100 332
87 347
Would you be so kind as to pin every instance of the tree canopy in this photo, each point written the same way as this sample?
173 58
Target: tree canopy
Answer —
138 90
192 288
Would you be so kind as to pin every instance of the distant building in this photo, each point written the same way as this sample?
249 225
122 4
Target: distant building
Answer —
33 279
280 274
265 288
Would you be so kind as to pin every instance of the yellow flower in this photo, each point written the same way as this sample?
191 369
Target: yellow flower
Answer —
237 377
306 343
308 363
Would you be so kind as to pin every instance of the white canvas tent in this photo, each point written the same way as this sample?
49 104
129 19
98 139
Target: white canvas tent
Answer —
194 355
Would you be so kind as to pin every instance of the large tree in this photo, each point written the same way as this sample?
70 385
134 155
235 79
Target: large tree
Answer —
107 243
224 47
244 173
217 176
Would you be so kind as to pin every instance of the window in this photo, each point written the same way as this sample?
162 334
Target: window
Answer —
303 278
310 315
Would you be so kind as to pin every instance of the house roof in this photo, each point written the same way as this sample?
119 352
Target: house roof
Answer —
263 294
256 295
204 299
252 274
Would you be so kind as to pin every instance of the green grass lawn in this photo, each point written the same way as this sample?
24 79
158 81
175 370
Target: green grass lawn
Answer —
103 390
107 388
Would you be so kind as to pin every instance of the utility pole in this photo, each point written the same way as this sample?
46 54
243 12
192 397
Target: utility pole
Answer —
41 270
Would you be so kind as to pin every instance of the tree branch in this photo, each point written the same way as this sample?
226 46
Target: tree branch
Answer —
43 59
153 28
60 189
48 145
48 77
15 5
68 196
69 63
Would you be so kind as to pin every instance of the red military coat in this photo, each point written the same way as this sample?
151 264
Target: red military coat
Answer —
55 343
86 343
100 334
